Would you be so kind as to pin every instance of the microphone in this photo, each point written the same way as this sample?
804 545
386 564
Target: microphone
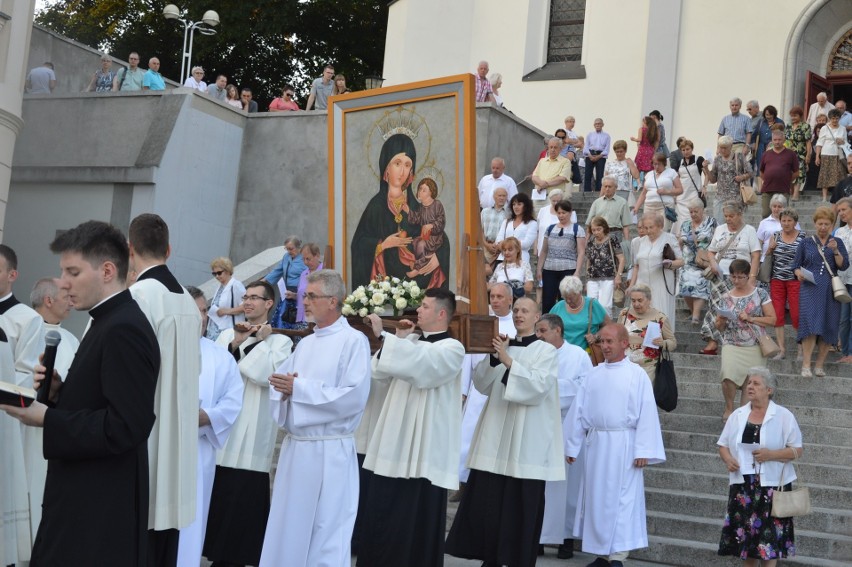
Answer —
51 342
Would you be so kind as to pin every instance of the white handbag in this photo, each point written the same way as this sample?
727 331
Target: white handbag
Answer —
791 503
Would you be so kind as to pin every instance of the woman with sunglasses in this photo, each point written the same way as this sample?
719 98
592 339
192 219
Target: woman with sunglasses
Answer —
226 308
285 102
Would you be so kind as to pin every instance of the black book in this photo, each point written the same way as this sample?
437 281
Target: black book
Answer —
11 395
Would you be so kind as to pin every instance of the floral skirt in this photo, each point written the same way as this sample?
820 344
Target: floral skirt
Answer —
749 530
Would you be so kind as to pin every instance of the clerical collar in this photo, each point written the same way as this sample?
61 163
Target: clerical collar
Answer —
619 363
101 302
523 341
338 325
434 337
162 274
8 302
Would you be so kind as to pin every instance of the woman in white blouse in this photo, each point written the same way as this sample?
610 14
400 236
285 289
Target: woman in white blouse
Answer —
195 80
226 309
512 270
688 169
520 224
830 154
662 185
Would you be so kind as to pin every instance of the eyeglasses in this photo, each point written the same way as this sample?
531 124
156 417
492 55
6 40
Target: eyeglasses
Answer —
254 298
314 297
217 274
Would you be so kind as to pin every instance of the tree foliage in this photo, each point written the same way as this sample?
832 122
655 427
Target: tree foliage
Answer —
261 44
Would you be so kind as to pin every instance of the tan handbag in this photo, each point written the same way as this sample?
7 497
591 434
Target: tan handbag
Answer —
790 503
702 259
768 346
747 192
594 350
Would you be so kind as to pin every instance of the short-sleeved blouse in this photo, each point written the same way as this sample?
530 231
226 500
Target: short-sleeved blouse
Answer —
562 248
654 182
576 324
506 273
602 258
784 256
620 170
827 140
743 333
741 248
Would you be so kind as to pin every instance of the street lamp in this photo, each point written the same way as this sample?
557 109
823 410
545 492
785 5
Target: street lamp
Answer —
373 81
204 27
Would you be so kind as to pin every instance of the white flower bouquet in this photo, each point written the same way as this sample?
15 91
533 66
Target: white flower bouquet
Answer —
383 296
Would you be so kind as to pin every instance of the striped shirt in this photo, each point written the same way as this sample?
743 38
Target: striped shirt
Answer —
492 219
784 256
736 126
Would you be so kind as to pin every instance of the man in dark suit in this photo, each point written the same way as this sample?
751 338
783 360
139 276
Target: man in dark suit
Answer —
98 420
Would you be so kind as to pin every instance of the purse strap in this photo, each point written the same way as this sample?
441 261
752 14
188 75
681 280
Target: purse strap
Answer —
819 249
729 242
591 304
780 487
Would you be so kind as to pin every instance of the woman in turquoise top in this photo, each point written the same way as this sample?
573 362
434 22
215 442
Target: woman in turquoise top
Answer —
574 312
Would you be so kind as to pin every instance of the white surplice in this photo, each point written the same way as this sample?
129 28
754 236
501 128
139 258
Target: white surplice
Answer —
173 443
419 428
15 539
615 416
475 400
220 395
560 496
252 440
519 433
315 496
33 436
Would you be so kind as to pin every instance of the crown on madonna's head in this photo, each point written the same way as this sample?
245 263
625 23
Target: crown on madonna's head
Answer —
399 121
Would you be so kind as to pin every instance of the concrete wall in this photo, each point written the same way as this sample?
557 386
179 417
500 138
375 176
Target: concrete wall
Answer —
637 56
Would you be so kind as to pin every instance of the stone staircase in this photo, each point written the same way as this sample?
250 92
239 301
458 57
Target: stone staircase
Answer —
686 497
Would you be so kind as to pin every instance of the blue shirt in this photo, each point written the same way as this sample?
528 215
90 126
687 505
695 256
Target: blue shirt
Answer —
292 267
154 81
736 126
598 142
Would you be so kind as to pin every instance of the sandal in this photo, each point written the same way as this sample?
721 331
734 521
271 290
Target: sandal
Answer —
819 372
806 373
779 356
710 352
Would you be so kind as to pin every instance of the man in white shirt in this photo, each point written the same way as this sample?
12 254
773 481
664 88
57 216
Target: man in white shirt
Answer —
497 178
414 447
317 397
821 106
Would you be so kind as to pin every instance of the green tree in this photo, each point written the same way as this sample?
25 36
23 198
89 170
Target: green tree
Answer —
261 44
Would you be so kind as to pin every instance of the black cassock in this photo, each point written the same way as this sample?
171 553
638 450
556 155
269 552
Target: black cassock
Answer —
95 440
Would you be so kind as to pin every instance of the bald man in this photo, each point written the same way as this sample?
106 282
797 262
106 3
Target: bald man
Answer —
515 448
614 415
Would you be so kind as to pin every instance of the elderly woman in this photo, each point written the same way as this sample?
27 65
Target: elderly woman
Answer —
496 80
797 137
313 262
561 255
636 318
844 233
662 186
819 313
226 309
606 263
651 269
513 270
196 80
689 168
582 316
772 223
742 317
830 154
734 240
783 285
694 239
750 532
729 169
520 224
102 78
624 171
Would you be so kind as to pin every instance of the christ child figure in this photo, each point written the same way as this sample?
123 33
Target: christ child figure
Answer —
432 220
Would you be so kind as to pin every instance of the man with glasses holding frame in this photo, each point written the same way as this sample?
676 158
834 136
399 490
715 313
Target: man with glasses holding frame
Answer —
129 78
239 505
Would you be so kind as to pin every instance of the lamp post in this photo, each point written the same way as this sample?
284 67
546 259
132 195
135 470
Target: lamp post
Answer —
204 27
373 81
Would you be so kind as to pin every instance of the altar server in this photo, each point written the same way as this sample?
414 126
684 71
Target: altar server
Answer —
560 496
53 306
414 447
15 540
318 397
616 418
220 395
516 447
500 300
173 445
96 495
239 505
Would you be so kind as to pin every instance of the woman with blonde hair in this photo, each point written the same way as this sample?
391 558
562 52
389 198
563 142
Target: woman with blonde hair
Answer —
226 308
513 270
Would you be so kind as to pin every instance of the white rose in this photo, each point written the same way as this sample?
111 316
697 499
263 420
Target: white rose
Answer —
395 281
401 303
378 298
379 310
386 286
347 310
362 312
360 293
414 290
406 284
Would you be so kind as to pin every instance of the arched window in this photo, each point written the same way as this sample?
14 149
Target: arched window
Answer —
841 56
